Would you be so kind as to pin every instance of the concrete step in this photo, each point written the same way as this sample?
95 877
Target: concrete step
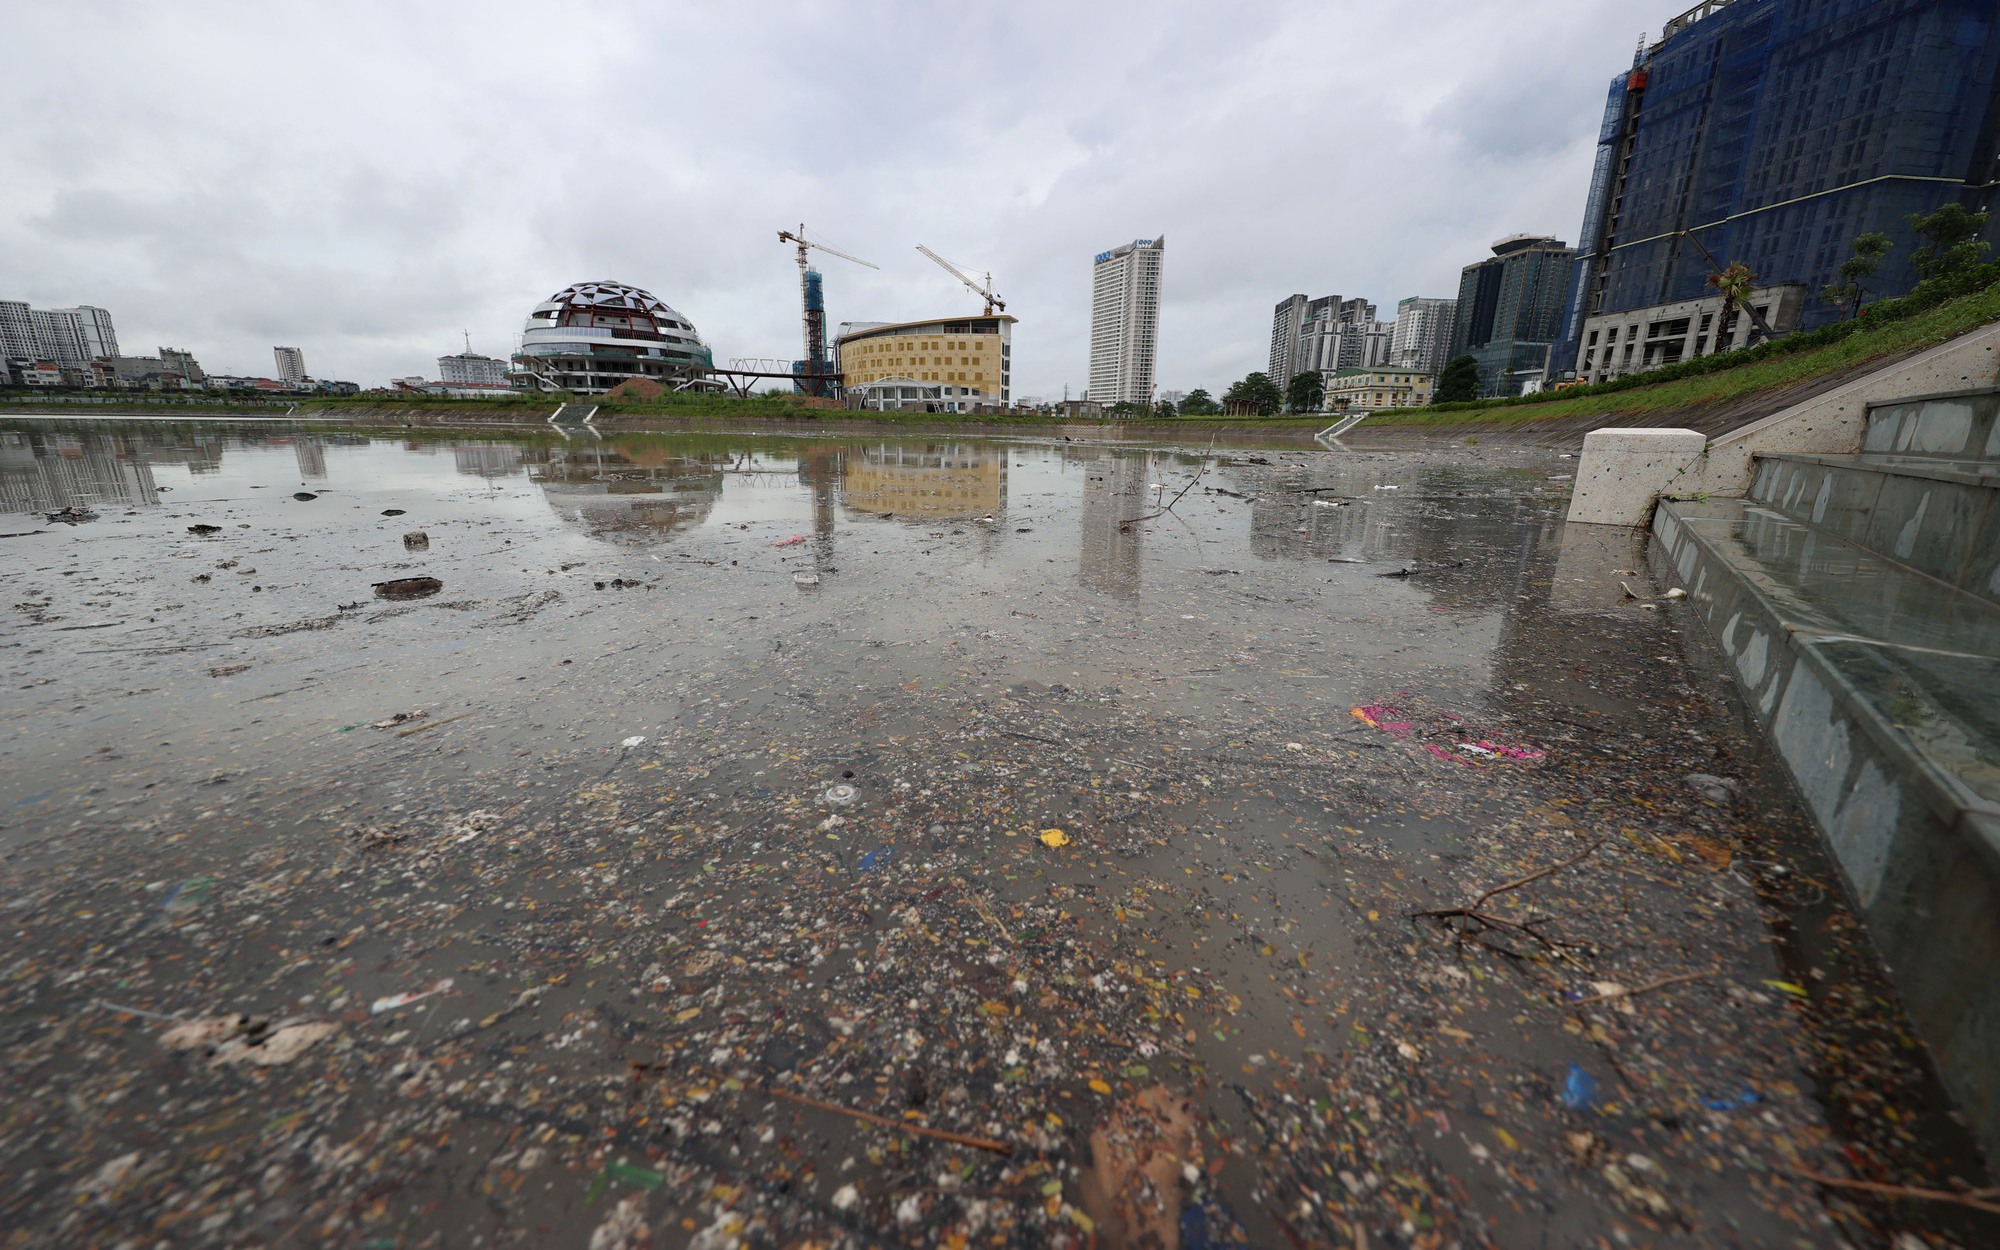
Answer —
1964 425
1936 515
1879 687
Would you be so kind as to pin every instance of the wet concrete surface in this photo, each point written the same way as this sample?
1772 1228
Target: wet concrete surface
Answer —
733 790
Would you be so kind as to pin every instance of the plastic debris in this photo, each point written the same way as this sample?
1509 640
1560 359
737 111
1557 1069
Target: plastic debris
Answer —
1579 1089
636 740
204 529
793 541
1054 837
840 795
395 1001
805 578
417 540
304 496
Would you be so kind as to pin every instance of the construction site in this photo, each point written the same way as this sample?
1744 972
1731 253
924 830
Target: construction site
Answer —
594 338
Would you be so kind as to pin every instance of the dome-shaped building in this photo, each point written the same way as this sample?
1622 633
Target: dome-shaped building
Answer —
589 337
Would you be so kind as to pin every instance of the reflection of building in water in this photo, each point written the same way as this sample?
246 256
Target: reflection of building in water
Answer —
311 453
1326 512
627 492
927 481
40 472
489 460
1114 490
196 447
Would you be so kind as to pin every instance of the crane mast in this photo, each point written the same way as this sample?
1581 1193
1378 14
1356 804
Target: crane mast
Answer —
812 304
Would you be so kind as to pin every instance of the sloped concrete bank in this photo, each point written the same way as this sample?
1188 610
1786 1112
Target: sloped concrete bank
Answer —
1566 433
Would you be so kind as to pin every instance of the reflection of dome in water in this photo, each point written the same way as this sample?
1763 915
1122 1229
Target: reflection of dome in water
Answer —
614 498
589 337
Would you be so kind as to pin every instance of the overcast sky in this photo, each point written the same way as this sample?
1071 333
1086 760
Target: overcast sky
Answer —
365 181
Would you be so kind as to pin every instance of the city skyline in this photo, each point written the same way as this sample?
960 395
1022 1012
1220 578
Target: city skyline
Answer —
413 214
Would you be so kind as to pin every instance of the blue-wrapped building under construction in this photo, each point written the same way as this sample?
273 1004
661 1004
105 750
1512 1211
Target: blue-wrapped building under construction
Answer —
1774 132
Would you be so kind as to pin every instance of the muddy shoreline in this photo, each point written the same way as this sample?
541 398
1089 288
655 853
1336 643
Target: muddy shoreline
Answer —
633 882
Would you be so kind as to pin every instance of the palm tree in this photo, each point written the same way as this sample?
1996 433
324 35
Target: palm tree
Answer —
1735 282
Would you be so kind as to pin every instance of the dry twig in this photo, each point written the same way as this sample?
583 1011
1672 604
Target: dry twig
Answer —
1647 988
1897 1191
1474 913
961 1139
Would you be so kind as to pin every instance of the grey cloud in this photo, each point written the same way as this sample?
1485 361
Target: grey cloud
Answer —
365 180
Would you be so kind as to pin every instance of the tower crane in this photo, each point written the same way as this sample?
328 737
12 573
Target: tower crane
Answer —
813 304
983 292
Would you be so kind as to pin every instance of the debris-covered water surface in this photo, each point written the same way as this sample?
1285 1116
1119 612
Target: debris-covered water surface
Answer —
713 840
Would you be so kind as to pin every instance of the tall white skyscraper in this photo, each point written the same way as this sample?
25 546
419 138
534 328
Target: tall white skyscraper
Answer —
93 330
64 336
1125 321
1423 333
291 364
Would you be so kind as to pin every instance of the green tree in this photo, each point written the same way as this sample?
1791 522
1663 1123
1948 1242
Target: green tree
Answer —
1199 403
1129 408
1165 409
1256 394
1950 239
1869 249
1306 392
1459 381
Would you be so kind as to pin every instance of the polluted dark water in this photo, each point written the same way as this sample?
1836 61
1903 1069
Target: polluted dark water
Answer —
714 840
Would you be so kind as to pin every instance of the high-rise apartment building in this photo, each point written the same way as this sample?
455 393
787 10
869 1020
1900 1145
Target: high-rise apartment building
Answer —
71 337
93 330
58 337
1125 321
1286 320
1325 334
1422 334
1772 132
17 331
291 365
1510 310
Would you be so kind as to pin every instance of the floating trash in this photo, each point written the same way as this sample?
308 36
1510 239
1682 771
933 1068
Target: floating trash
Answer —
805 579
841 795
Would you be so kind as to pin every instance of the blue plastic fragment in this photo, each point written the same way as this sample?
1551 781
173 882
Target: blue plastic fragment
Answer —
873 860
1730 1102
1579 1089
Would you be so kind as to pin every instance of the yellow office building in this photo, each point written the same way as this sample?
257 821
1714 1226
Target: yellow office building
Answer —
950 364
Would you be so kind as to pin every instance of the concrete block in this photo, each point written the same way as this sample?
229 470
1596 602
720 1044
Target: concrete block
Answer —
1624 470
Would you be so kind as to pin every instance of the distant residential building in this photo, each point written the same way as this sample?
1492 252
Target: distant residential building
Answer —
1615 344
1422 334
58 336
1125 321
471 368
1510 310
1286 320
93 330
68 338
148 372
1772 132
17 331
184 364
291 365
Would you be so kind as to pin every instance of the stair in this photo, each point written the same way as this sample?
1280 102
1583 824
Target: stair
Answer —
1857 596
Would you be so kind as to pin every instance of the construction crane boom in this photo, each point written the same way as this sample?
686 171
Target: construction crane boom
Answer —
812 309
986 292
